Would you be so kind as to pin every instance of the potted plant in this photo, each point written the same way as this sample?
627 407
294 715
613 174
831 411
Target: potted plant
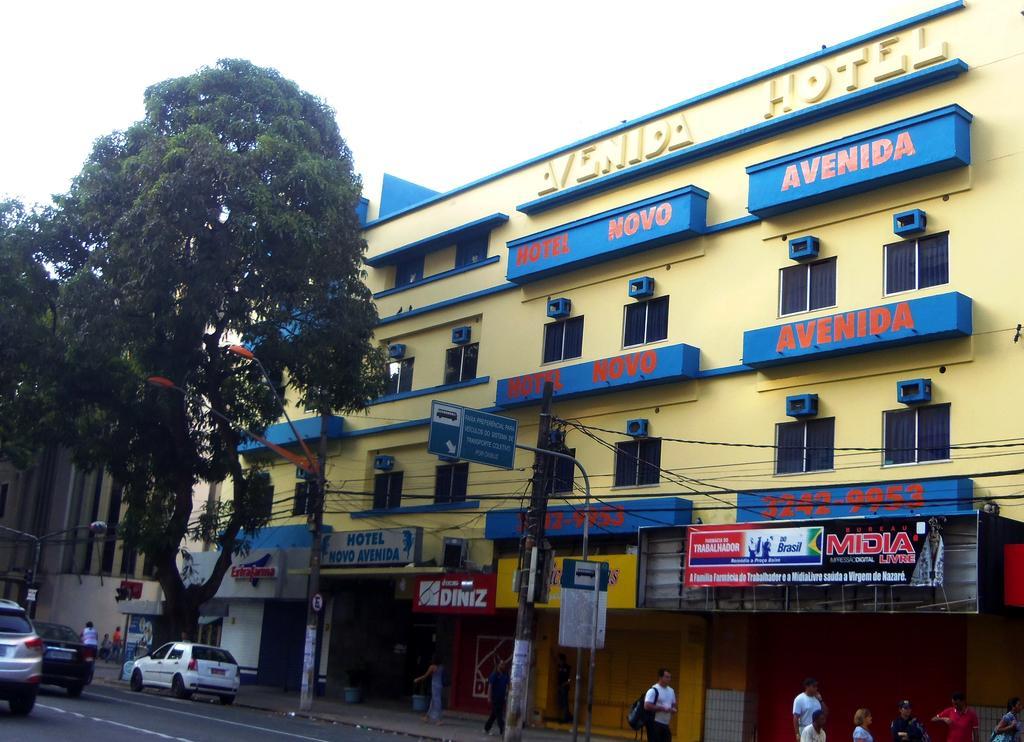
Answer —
356 680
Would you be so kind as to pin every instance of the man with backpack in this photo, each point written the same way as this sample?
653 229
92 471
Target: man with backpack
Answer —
660 704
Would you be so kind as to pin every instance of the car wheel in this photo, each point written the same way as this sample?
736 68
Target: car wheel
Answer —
136 682
22 705
74 691
178 688
227 700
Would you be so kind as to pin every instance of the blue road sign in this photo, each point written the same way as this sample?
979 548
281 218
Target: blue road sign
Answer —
458 432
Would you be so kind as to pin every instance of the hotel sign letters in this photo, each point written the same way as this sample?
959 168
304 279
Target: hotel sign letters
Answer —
670 217
886 58
903 323
932 142
852 70
652 366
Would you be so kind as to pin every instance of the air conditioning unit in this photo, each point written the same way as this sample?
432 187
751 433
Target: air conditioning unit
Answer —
453 552
396 350
637 427
804 248
802 405
559 308
384 462
461 335
914 391
909 222
641 288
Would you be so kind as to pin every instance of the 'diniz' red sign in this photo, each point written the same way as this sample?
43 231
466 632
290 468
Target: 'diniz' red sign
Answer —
889 551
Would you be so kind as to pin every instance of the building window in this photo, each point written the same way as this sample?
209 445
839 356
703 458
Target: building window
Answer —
400 376
451 482
638 462
262 494
300 501
806 445
563 340
4 488
806 287
387 490
917 264
460 363
109 542
916 435
470 251
563 476
409 271
646 322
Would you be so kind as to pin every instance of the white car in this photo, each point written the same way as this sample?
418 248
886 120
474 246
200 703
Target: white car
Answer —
188 668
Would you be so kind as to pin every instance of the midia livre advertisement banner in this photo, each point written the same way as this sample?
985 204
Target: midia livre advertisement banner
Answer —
889 551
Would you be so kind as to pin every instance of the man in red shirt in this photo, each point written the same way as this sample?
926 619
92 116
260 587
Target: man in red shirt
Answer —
961 720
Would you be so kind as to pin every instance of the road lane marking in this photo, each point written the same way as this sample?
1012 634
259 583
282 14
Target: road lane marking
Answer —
114 723
213 718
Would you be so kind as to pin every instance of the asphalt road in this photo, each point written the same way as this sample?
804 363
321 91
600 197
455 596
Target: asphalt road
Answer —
114 715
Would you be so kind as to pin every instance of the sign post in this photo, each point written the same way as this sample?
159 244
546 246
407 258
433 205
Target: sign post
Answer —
458 432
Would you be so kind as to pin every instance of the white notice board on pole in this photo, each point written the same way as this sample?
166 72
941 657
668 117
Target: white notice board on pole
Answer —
576 613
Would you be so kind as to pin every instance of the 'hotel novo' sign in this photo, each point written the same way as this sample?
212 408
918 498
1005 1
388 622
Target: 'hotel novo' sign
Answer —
651 366
929 143
374 548
669 217
902 323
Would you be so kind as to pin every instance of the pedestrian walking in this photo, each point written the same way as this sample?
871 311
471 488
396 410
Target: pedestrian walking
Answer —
115 642
564 679
660 704
105 646
497 685
961 720
1009 727
906 727
436 674
89 636
815 731
862 720
804 706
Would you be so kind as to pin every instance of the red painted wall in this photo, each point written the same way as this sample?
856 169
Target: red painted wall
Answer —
860 661
479 642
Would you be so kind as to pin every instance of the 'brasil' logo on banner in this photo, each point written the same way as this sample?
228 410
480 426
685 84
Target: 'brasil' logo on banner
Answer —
779 546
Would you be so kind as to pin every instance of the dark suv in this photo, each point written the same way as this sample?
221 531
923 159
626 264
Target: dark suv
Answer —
21 658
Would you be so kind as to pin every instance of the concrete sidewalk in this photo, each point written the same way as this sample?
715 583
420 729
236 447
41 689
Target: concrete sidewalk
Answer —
385 716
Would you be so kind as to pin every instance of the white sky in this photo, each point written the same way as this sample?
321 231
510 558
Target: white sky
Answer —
439 92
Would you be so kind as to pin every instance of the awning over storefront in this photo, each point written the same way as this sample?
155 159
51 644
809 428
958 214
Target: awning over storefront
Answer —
350 572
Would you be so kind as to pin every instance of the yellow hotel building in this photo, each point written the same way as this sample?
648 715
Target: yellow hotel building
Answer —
781 322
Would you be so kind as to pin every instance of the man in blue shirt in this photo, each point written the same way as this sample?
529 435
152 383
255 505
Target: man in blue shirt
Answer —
497 683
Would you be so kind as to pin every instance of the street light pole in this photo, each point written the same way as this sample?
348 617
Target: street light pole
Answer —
96 527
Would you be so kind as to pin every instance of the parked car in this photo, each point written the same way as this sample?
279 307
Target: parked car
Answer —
21 659
66 661
188 668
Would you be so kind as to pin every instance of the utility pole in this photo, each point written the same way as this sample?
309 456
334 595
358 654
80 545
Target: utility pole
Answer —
315 504
529 553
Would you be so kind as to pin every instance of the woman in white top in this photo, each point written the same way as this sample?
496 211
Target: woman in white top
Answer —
863 720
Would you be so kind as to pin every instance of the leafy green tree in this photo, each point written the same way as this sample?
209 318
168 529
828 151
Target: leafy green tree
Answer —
228 212
28 297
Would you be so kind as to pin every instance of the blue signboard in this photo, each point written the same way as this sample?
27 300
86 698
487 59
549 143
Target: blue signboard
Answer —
909 497
624 517
652 366
670 217
873 328
459 432
930 143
